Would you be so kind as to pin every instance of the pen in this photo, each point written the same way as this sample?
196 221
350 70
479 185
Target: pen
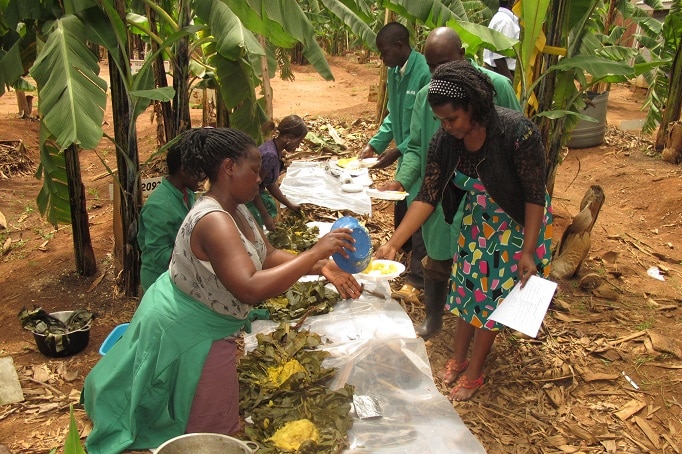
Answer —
634 385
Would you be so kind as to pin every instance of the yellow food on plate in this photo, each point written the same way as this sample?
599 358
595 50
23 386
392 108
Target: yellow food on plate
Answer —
291 435
349 163
380 268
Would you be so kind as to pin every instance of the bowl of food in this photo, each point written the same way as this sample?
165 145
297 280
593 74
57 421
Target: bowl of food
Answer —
382 270
359 258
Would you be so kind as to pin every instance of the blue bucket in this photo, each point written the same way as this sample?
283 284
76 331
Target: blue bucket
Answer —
359 259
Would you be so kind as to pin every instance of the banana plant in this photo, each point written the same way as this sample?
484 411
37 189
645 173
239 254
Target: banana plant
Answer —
664 97
73 96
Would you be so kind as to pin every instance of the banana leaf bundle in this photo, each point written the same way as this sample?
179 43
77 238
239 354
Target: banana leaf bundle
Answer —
283 393
312 298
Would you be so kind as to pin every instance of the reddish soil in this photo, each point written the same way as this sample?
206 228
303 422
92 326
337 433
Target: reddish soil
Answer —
560 392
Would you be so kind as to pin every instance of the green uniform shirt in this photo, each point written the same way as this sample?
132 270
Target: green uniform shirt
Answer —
440 237
402 91
160 218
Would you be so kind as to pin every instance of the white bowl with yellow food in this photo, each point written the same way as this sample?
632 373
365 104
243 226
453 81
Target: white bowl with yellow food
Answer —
382 270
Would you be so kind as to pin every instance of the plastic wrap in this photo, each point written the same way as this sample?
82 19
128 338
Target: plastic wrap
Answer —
312 182
373 346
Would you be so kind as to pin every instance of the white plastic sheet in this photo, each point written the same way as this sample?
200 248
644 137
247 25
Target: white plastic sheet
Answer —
373 346
312 182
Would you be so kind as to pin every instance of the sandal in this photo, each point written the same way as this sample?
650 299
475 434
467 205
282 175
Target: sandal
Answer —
453 369
465 383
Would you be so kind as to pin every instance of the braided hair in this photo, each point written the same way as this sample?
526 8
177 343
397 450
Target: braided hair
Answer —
174 159
292 125
463 86
204 149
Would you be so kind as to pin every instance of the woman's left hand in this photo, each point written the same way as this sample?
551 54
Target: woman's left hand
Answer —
527 267
344 282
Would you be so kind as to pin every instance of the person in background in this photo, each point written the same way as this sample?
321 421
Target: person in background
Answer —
505 22
161 216
174 370
290 132
442 45
492 160
407 74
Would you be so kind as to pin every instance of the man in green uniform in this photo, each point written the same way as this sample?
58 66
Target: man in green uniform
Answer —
407 74
442 45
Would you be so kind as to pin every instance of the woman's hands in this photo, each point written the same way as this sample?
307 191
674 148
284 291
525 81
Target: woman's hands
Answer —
526 267
337 240
392 186
269 222
344 282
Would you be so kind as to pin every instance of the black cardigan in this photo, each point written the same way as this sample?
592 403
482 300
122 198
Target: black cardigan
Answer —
512 169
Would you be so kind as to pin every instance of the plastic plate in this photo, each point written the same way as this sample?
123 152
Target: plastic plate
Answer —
386 195
382 270
368 162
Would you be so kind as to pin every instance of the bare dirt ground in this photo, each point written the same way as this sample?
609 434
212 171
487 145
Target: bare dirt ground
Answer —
561 392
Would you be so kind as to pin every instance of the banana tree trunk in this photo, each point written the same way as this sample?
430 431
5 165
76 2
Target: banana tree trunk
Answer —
181 73
127 160
161 81
382 98
22 104
267 88
672 110
550 129
86 265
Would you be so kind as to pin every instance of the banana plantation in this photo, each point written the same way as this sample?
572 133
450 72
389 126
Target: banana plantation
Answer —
566 49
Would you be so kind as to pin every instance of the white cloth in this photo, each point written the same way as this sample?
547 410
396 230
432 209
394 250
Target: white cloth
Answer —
505 22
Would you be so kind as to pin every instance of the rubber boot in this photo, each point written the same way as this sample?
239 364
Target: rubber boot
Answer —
435 293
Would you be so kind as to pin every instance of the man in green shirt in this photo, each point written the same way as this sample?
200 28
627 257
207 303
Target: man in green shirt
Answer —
442 45
407 74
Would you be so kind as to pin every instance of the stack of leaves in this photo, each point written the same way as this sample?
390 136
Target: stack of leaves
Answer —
40 322
282 391
311 298
293 235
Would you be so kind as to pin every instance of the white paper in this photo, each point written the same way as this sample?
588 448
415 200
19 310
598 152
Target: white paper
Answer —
525 308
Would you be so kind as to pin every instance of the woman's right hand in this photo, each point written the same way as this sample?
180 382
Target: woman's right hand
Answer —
386 251
269 223
337 240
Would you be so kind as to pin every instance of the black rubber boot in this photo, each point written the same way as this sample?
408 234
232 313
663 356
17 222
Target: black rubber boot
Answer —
435 293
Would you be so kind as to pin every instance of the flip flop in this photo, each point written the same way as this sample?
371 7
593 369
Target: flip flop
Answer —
465 383
453 369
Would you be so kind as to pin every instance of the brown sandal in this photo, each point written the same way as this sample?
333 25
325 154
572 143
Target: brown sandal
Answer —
465 383
453 369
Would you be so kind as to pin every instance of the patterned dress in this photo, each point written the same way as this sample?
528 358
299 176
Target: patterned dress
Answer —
489 246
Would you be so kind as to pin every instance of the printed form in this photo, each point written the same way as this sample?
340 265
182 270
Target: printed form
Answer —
525 308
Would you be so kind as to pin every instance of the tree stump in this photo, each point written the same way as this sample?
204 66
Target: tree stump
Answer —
575 241
673 148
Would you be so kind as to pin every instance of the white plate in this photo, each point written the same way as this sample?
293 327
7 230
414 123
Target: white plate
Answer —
324 227
376 273
352 163
351 187
337 170
368 162
386 195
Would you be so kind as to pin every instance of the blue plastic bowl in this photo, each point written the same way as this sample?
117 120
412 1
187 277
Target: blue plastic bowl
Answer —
359 259
112 338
